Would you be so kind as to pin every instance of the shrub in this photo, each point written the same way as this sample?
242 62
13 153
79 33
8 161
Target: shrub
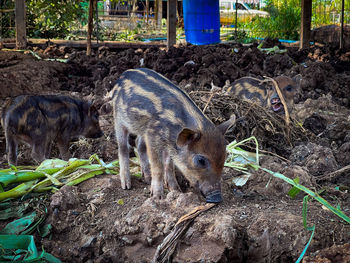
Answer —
284 21
53 18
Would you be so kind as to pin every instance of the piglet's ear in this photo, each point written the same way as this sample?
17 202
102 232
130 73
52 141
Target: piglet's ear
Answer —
92 110
187 136
297 79
223 127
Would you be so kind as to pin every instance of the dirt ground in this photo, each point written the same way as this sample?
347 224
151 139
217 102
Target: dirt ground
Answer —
257 222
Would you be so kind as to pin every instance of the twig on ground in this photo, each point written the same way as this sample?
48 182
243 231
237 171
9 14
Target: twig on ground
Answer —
333 174
166 249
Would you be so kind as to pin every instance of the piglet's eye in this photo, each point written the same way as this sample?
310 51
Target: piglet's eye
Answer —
289 88
200 161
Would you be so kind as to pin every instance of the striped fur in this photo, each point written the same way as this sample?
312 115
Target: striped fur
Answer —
263 92
170 127
40 120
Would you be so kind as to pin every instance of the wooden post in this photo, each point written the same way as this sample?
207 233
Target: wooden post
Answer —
305 30
156 6
236 19
90 26
159 12
147 11
21 38
341 45
97 28
171 22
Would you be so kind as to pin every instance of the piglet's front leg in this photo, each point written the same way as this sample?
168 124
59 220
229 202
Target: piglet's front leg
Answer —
169 173
155 159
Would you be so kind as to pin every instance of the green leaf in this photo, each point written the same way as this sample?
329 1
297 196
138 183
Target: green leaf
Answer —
45 230
138 175
307 245
22 249
120 202
84 176
311 193
12 211
20 190
312 228
18 226
294 190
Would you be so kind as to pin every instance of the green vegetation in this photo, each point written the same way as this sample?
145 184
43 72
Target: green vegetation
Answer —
7 19
67 20
240 36
285 16
325 12
51 174
53 18
284 21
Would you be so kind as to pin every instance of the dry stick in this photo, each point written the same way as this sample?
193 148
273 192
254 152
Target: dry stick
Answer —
286 112
333 174
287 118
168 246
206 105
270 153
214 90
260 80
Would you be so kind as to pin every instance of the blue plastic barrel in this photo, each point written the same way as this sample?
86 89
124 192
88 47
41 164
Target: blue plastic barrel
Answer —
202 21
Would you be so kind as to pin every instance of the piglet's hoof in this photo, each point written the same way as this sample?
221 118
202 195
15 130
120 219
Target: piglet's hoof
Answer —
147 178
157 192
126 185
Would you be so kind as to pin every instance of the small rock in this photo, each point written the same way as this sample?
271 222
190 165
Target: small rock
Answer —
88 241
127 240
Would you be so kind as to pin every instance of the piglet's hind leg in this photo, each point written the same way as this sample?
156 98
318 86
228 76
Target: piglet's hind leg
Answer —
122 135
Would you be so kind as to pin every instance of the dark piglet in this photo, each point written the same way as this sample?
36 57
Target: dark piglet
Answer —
41 120
171 130
264 93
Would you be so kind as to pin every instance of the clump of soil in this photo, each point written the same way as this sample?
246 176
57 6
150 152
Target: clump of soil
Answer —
97 221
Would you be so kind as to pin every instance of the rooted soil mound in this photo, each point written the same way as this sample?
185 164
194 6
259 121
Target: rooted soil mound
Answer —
257 222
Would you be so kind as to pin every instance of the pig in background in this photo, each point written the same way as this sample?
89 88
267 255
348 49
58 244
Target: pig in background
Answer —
171 130
264 93
41 120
